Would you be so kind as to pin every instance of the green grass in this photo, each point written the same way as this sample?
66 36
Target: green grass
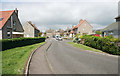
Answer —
81 46
14 60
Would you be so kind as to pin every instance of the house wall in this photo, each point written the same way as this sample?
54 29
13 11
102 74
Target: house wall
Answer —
57 33
0 34
49 34
7 27
36 32
75 30
18 26
28 30
85 28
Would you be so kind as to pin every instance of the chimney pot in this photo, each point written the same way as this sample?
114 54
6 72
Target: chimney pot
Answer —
16 11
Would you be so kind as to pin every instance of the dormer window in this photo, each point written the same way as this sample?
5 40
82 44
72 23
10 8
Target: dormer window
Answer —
1 19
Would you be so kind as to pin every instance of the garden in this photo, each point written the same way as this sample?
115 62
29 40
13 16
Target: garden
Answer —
16 52
106 44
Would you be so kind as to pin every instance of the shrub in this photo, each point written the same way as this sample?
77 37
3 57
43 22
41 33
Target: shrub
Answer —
98 32
106 44
75 40
18 42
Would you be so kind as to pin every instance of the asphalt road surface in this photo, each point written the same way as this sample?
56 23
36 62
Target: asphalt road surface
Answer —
67 59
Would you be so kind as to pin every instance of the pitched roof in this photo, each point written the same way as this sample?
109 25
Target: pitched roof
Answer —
80 24
113 26
33 25
49 31
5 15
117 17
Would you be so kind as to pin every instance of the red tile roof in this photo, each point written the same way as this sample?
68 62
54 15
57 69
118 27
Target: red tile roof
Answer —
80 24
72 31
5 15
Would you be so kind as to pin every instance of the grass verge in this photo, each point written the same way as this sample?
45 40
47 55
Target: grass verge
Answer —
14 60
81 46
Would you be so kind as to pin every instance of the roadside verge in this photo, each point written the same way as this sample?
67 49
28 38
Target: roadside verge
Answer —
89 49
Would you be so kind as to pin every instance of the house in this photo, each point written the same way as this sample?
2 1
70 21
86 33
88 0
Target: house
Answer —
67 32
82 28
10 25
112 29
60 32
50 33
30 30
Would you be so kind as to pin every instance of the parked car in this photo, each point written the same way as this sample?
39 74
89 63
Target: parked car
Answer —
57 37
60 39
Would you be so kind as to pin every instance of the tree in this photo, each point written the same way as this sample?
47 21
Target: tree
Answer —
98 32
39 34
45 34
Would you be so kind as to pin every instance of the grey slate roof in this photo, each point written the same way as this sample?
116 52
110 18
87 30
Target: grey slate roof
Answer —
113 26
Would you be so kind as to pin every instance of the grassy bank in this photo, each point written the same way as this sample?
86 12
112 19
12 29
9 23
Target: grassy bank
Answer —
83 47
14 60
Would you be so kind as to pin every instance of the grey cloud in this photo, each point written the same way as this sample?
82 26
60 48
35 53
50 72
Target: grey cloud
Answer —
62 14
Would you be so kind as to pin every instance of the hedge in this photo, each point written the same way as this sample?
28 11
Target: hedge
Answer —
102 43
18 42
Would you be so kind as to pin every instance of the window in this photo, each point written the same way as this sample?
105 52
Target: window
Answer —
8 34
1 19
14 23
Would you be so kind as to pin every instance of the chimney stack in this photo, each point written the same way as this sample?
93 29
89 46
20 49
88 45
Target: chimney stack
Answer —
81 20
72 26
67 28
16 11
30 22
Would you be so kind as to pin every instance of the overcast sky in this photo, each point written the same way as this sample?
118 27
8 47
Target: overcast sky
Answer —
57 14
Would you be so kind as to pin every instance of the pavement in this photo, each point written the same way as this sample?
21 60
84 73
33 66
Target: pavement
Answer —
38 64
66 59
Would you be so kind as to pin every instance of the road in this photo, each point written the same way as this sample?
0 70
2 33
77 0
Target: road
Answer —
66 59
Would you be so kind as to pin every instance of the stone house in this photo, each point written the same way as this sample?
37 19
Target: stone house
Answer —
82 28
60 32
67 32
10 25
112 29
50 33
30 30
